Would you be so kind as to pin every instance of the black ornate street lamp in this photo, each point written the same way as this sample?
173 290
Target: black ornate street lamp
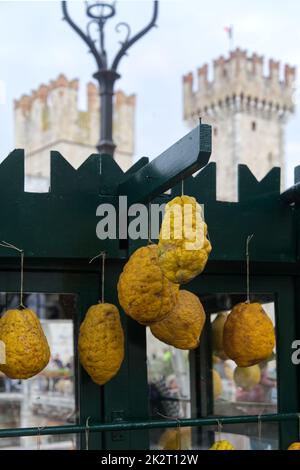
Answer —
106 75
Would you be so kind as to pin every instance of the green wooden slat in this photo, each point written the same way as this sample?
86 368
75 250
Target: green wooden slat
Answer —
182 159
250 188
12 172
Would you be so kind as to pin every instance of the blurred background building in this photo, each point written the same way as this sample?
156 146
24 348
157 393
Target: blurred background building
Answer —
248 110
50 119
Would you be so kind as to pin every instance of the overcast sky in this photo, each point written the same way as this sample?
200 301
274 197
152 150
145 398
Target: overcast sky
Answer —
36 45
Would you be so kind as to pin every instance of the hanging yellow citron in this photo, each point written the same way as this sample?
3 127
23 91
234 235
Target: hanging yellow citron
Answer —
294 446
101 342
217 328
217 384
249 336
176 439
183 245
222 445
247 377
183 327
25 348
144 293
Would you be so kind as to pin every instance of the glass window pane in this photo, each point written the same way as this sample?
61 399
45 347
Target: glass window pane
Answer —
47 399
169 383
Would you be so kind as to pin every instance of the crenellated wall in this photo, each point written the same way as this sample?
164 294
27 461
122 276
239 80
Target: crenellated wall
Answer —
248 108
49 118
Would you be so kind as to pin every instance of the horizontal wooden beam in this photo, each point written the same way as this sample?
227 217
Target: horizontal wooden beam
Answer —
185 157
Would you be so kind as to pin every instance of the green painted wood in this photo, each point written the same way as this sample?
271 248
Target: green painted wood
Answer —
182 159
12 172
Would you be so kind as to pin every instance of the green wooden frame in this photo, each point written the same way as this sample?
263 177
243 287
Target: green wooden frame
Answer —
59 263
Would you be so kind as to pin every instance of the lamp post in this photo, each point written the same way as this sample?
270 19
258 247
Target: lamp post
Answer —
99 13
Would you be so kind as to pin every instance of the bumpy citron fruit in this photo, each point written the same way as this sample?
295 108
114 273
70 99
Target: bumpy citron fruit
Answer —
294 446
26 350
217 384
217 328
183 327
176 439
101 342
144 292
247 377
183 245
248 336
222 445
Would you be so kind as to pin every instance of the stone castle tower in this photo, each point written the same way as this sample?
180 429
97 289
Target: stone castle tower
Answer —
49 119
248 111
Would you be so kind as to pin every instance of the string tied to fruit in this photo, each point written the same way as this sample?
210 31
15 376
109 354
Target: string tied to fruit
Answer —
87 433
21 251
249 238
101 255
219 430
178 426
259 427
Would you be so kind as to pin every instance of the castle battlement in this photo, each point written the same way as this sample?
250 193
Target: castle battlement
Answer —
240 81
50 114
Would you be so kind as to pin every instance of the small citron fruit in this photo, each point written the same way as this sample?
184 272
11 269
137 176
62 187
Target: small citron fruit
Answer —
222 445
144 292
101 342
26 350
183 244
217 328
294 446
183 327
249 336
217 384
176 439
247 377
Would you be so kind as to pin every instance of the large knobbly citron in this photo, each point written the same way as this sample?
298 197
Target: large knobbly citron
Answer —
222 445
26 350
249 336
101 342
247 377
183 244
144 292
183 327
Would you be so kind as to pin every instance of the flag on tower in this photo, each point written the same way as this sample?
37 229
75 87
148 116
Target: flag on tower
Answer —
229 31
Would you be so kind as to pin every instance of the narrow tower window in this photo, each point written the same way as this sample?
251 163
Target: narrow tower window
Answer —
215 131
253 126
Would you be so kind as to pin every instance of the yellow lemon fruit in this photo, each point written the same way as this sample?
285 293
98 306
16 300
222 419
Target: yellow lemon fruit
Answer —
222 445
249 336
183 327
217 328
26 350
247 377
101 342
183 245
294 446
217 384
176 439
144 292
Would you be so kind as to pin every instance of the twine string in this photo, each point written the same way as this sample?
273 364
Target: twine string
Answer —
249 238
101 255
87 433
259 426
182 187
38 437
178 431
220 427
299 426
150 242
19 250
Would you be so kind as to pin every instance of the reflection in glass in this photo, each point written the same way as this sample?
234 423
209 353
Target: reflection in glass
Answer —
47 399
169 389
